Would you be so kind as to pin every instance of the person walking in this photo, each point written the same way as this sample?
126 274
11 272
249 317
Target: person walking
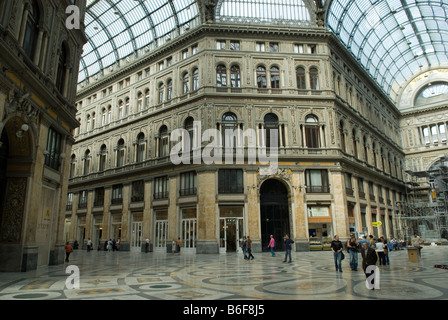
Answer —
68 250
369 258
147 245
352 247
249 249
179 245
288 248
89 245
379 248
173 246
336 248
244 247
271 245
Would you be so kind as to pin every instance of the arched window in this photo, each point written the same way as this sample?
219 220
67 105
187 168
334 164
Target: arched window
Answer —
221 76
195 79
312 132
235 77
355 144
275 78
120 109
93 121
141 147
261 77
88 123
102 160
161 92
314 79
103 116
163 141
139 101
120 153
169 90
72 166
31 30
271 126
366 150
185 83
127 107
109 114
301 80
62 67
188 126
342 136
229 125
86 162
147 100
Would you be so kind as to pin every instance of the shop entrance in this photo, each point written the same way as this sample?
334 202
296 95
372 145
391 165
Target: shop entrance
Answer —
231 228
274 213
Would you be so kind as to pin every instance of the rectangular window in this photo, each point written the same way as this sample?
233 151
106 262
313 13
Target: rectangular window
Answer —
82 201
230 181
260 46
117 194
188 184
311 48
99 197
138 191
194 49
221 44
185 54
317 181
69 202
273 47
298 48
235 45
161 190
52 153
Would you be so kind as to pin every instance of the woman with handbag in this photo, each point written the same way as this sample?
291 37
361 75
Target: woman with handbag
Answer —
336 248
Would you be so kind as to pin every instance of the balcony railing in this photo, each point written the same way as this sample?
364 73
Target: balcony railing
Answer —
318 189
188 192
161 195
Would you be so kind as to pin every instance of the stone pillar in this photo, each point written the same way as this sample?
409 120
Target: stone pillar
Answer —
106 214
147 218
125 219
207 241
340 212
253 212
300 220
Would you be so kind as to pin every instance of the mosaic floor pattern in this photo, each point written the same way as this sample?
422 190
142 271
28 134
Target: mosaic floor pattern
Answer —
157 276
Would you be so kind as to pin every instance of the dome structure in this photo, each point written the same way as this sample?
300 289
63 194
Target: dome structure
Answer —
394 40
117 30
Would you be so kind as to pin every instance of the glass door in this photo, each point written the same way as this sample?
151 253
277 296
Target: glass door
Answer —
137 236
230 234
161 230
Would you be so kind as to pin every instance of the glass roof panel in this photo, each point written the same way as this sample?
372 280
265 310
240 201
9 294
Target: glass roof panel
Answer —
291 12
119 28
394 39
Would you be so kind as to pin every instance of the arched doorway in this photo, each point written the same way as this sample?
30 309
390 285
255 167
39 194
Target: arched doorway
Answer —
274 213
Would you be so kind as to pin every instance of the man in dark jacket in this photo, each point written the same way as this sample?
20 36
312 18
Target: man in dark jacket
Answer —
288 247
369 258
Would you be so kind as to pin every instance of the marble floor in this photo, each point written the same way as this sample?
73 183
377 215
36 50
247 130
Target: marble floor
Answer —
154 276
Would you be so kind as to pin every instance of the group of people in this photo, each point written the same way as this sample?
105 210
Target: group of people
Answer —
355 246
246 246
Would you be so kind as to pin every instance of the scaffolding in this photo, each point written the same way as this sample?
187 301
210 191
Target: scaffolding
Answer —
425 208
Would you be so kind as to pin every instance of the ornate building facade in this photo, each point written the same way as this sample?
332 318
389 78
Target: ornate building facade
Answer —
340 161
38 75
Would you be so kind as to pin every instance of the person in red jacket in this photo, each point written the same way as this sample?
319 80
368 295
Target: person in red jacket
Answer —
68 250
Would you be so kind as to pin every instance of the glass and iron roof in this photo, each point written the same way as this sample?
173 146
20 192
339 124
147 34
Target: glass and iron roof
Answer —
394 40
283 12
116 29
